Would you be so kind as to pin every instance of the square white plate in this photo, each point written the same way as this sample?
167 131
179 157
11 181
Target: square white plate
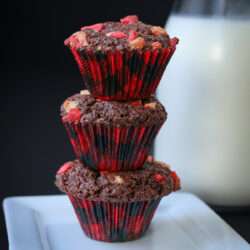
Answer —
182 221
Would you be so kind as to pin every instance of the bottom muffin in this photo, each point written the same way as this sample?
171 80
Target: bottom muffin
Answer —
116 206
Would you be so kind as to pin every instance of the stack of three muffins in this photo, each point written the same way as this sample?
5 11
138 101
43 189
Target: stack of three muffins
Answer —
114 185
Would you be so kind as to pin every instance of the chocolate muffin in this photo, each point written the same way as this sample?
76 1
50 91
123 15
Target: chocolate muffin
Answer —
122 60
85 109
151 181
109 135
121 36
116 206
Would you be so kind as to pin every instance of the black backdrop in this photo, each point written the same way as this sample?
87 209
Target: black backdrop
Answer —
37 74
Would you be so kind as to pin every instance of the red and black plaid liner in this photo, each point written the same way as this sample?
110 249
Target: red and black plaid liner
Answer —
123 76
111 148
114 221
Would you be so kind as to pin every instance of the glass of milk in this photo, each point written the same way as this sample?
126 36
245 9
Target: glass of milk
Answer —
206 92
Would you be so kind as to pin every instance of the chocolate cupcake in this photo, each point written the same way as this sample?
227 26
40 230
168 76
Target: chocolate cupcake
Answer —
109 135
123 60
116 206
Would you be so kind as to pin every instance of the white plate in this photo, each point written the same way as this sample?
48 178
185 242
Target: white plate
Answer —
182 221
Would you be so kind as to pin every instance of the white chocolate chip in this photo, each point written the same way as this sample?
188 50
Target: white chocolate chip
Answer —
84 92
156 45
137 43
151 105
82 38
118 180
157 30
70 105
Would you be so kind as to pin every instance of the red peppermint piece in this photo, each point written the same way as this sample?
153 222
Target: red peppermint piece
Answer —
150 158
118 34
177 181
97 27
138 102
159 177
74 115
129 19
72 41
132 35
65 167
104 172
173 41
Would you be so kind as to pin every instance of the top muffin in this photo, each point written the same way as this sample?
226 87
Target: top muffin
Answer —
128 34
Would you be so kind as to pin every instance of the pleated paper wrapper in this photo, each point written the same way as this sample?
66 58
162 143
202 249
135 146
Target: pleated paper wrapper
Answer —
123 76
111 148
114 221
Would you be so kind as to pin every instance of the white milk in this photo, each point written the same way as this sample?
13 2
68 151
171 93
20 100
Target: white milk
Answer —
205 90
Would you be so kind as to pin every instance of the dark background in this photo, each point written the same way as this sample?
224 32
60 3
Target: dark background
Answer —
37 74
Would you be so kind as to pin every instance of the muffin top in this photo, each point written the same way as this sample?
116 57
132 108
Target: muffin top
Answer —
85 109
152 180
128 34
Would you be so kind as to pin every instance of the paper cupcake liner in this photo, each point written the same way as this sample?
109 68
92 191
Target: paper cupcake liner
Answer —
114 221
111 148
122 76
